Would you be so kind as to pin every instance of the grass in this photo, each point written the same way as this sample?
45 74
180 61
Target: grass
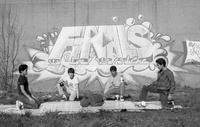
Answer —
188 117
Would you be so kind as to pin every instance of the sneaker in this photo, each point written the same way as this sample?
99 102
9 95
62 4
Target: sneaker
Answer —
121 98
171 102
19 105
116 97
141 104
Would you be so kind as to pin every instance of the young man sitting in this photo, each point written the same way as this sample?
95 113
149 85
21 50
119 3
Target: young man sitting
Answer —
115 85
68 85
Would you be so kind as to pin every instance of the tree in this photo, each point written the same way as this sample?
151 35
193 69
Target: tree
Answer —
9 38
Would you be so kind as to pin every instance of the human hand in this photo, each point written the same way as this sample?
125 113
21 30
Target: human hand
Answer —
61 83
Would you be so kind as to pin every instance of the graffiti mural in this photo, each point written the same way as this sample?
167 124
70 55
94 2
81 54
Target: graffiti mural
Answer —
91 50
193 52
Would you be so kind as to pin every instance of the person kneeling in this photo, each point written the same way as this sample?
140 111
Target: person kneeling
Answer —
164 85
25 98
68 85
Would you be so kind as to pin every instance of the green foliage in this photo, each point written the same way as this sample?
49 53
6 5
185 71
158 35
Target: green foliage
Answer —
10 35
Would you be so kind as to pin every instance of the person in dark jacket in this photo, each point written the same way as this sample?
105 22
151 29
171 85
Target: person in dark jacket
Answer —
164 85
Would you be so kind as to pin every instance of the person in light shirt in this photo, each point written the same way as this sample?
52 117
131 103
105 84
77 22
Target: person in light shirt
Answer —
68 85
115 85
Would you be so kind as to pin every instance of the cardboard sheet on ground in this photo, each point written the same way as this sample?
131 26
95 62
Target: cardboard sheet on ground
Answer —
75 107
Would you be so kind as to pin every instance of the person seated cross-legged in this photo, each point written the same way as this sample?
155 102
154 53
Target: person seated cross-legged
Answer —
164 85
68 85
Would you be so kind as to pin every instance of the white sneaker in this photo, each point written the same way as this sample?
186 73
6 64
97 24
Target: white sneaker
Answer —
116 97
141 104
19 105
121 98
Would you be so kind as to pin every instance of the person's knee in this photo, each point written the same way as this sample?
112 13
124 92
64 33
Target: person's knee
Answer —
72 96
144 87
163 96
85 102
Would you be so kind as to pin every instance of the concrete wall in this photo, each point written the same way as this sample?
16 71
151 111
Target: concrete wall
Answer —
180 19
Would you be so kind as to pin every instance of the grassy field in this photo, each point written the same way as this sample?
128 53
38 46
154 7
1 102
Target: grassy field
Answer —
187 117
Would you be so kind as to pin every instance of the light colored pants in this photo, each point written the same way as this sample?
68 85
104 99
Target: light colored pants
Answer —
63 90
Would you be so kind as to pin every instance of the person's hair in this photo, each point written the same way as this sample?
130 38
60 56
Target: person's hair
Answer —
22 67
113 68
71 70
161 61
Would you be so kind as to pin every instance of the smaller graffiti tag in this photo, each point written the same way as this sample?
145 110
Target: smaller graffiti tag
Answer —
193 51
54 61
196 50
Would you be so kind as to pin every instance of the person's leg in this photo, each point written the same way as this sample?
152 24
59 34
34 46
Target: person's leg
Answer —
164 98
85 102
28 104
60 89
145 90
72 95
111 92
38 101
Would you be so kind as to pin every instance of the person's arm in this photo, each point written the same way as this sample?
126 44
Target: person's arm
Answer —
124 80
172 82
63 81
156 82
25 93
107 86
34 97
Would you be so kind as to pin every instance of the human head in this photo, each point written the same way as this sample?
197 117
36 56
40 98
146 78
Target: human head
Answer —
23 69
113 71
161 63
71 72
